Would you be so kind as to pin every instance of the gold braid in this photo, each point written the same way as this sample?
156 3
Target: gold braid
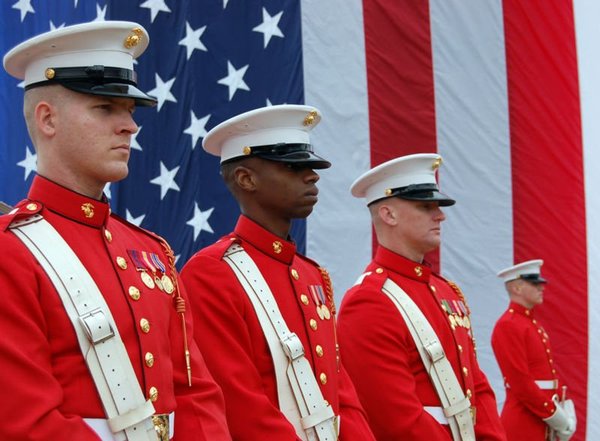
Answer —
179 304
461 296
330 297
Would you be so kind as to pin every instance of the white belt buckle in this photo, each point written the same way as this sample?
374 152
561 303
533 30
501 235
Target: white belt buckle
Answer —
292 346
96 326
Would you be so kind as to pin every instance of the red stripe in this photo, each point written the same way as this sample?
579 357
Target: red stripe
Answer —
547 164
399 80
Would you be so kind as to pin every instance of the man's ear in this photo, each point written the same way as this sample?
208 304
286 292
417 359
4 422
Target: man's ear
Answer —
245 178
387 214
45 118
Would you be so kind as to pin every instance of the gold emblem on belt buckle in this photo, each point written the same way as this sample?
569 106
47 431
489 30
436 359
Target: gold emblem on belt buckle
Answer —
161 426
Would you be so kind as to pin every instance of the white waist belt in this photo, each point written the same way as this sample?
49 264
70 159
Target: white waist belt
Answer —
102 429
543 384
437 413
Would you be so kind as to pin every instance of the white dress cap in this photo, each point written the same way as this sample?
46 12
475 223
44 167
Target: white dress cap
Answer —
530 271
409 177
83 57
277 133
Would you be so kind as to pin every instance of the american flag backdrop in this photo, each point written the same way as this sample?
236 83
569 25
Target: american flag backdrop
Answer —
506 91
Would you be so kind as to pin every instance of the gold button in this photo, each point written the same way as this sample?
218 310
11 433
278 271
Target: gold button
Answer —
145 325
295 274
121 262
323 378
319 350
512 311
153 394
469 393
460 349
149 357
277 247
539 331
534 321
527 312
546 404
246 150
544 340
304 299
50 73
32 206
134 293
554 371
465 371
379 270
548 350
432 288
313 324
551 361
108 235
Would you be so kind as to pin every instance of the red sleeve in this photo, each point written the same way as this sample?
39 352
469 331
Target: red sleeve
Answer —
222 334
200 414
33 396
374 347
510 348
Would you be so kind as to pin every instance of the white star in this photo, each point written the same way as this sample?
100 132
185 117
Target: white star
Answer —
29 163
269 26
200 220
197 128
100 13
137 221
177 256
76 3
107 190
192 39
234 79
24 6
135 145
155 7
162 91
166 180
269 103
54 27
225 3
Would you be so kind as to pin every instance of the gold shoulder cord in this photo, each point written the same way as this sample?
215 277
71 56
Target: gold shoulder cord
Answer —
179 304
460 294
331 299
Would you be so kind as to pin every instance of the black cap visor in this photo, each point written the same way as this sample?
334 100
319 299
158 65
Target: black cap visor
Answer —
300 155
420 192
114 90
533 278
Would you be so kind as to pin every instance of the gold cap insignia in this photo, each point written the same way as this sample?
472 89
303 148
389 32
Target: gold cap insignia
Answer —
49 73
418 271
277 247
88 210
134 38
310 118
436 164
246 150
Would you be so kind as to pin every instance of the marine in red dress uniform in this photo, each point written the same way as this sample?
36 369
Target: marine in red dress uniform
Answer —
227 328
522 349
79 115
43 370
376 345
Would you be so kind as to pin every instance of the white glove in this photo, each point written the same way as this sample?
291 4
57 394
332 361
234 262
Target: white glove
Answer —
559 420
569 408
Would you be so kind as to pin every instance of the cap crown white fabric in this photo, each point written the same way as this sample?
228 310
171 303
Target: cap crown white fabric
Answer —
516 271
395 173
105 43
285 123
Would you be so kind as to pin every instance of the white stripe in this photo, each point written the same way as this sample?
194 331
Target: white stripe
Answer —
587 16
473 138
338 231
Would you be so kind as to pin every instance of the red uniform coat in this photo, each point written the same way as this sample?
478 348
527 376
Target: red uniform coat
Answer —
45 381
231 338
382 359
522 349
